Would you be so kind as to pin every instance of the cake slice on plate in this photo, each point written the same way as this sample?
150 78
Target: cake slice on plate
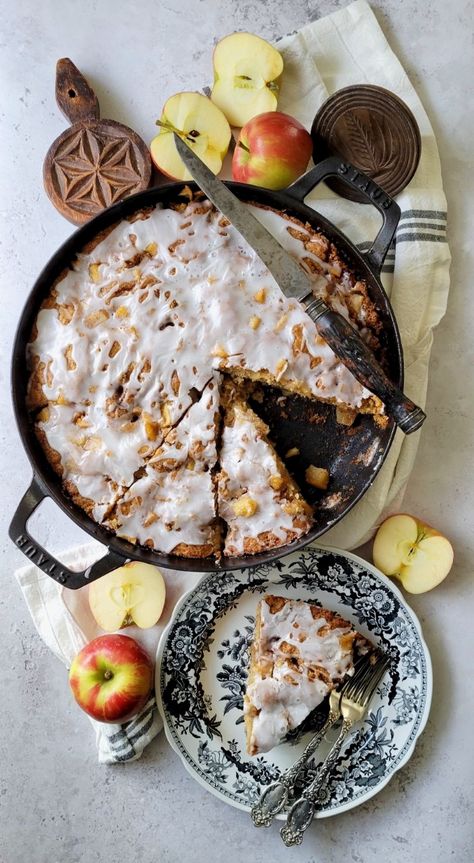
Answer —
299 653
260 503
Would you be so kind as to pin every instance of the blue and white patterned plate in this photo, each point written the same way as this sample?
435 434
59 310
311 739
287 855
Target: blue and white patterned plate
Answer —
202 667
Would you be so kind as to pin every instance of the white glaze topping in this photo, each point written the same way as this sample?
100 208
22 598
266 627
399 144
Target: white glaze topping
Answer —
97 454
140 323
247 464
172 309
160 509
285 698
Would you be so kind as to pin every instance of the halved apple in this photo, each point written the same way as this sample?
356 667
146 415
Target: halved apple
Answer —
246 70
412 551
134 593
202 125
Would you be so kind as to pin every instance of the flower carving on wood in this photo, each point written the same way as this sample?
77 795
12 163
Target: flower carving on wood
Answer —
93 169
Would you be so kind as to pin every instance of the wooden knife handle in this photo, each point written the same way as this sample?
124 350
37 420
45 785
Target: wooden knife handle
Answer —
354 353
75 98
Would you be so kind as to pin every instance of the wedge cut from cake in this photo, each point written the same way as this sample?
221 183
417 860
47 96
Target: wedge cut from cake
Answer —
299 653
159 509
260 503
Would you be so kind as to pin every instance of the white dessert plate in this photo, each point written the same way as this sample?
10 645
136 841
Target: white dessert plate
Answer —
202 666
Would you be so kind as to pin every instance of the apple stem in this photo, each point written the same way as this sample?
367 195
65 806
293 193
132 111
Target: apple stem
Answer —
243 147
168 126
191 136
108 675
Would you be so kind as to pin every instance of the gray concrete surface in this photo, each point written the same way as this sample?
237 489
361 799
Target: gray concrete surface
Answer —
57 805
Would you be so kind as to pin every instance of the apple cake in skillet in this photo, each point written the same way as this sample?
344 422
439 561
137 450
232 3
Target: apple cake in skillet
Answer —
131 358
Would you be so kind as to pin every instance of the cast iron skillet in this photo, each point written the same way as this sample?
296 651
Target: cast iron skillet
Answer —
352 455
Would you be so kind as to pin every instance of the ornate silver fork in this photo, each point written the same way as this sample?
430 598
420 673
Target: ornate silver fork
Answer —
275 797
353 705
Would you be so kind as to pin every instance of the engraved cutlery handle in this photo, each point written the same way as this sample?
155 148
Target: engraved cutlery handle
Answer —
301 813
275 797
359 359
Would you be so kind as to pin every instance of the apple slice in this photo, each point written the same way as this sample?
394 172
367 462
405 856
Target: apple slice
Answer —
412 551
203 126
134 593
246 69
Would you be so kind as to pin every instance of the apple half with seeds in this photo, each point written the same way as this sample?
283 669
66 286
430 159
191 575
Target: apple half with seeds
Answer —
134 593
412 551
246 72
201 124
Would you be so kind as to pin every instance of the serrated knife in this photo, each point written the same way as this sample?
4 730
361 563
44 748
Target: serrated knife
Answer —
294 282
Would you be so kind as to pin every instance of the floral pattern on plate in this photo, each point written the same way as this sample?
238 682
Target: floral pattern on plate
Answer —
202 670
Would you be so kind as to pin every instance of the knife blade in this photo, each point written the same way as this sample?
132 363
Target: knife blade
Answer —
285 269
294 282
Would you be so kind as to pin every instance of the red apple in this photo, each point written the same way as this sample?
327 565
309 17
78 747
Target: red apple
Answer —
111 678
273 150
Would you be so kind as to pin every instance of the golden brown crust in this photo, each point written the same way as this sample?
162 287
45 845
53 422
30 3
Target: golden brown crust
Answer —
84 502
371 405
263 542
35 397
198 551
318 244
51 454
250 713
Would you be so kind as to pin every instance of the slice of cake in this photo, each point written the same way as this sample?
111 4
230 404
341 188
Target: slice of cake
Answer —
96 455
299 653
258 500
171 506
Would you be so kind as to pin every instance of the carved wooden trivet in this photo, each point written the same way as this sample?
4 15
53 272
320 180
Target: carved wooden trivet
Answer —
375 131
94 163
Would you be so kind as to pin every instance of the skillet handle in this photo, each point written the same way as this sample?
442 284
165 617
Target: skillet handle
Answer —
18 532
389 209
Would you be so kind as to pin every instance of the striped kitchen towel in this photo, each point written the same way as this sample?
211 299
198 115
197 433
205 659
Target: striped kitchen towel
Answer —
427 226
348 47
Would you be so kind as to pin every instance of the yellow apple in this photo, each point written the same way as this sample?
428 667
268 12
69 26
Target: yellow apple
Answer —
134 593
202 125
246 69
415 553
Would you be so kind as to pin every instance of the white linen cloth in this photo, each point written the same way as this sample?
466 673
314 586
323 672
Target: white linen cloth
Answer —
345 48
